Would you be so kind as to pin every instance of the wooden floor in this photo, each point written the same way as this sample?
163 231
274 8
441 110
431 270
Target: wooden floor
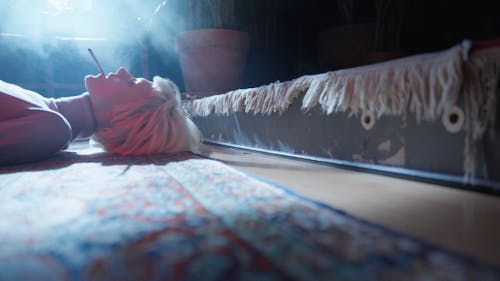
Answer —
463 221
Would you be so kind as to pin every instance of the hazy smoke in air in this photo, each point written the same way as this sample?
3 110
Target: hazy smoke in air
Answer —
113 28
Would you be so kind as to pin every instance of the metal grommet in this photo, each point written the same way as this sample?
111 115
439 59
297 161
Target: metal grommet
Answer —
453 119
368 120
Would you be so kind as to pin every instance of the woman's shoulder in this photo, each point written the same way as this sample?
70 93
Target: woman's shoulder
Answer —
12 94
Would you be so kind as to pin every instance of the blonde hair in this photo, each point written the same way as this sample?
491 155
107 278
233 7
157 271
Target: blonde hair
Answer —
156 125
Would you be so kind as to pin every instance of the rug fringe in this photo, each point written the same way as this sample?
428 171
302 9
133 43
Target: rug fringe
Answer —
429 83
480 98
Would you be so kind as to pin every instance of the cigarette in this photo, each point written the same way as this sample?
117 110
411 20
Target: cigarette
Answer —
96 62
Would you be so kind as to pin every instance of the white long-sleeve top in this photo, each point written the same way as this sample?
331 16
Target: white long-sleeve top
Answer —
33 127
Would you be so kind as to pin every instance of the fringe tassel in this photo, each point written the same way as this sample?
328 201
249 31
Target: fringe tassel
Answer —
268 99
480 91
429 83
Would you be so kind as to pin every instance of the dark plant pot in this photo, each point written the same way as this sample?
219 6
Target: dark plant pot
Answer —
376 57
212 60
345 45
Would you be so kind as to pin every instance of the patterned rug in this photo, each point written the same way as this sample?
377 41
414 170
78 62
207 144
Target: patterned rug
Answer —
86 215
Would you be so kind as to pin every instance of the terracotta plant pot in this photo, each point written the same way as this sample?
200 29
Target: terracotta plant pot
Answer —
212 60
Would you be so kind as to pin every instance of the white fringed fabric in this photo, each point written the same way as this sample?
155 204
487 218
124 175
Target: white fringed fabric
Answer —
275 97
481 89
427 85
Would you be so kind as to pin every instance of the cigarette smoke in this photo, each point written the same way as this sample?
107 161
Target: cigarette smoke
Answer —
115 30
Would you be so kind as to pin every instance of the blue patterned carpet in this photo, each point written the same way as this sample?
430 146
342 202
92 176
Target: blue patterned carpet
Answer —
96 216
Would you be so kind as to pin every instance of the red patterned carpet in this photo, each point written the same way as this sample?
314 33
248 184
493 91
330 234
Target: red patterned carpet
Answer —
89 215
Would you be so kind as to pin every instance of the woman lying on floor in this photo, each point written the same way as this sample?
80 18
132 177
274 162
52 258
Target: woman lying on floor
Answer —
127 115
